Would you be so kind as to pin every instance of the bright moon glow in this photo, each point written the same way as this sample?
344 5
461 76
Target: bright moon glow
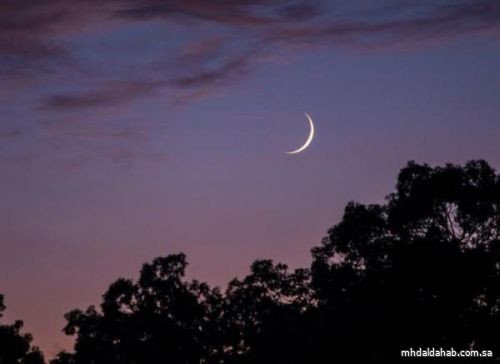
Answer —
309 138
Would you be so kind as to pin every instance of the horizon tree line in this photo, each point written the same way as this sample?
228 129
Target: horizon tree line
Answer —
420 270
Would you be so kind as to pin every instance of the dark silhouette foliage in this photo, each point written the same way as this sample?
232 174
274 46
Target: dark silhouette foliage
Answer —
421 270
15 347
161 316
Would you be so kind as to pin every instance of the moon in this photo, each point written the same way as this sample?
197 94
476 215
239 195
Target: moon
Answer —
309 138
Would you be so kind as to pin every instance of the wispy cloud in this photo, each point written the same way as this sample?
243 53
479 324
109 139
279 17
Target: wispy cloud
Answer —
234 67
434 23
107 94
84 129
233 13
192 96
31 33
122 142
10 133
226 40
198 52
29 56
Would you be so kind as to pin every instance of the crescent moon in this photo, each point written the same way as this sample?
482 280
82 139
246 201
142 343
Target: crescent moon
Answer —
309 138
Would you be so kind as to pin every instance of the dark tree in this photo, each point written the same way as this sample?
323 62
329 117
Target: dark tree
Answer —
420 270
64 358
262 312
15 347
159 318
423 270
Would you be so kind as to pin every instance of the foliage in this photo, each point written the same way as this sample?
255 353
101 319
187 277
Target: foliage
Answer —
420 270
15 347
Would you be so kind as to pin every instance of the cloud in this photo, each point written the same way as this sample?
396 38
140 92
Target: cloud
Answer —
42 18
10 134
300 11
197 95
29 48
22 56
231 68
190 49
201 84
85 129
32 35
127 157
436 23
35 35
198 52
121 141
233 13
108 94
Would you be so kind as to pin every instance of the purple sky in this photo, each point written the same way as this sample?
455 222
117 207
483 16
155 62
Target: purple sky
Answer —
132 129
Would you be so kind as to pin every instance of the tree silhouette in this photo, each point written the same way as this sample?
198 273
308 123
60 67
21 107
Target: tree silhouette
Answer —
261 314
159 317
15 347
420 270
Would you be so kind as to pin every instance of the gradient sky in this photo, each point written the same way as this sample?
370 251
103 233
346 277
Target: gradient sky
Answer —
133 129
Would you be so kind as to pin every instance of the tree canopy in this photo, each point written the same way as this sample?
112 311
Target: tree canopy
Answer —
15 347
420 270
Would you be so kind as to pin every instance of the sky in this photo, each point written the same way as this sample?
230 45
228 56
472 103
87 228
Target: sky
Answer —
134 129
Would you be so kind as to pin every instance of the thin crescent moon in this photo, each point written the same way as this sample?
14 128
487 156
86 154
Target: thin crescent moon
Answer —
309 138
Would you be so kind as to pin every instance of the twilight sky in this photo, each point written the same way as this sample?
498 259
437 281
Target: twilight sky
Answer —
136 128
